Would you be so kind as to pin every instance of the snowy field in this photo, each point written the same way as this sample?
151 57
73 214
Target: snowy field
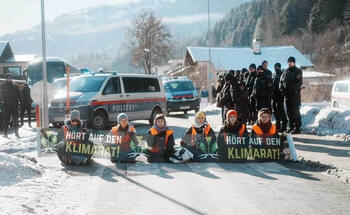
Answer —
25 184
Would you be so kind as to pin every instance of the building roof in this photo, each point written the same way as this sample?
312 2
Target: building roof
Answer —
5 51
237 58
21 58
315 74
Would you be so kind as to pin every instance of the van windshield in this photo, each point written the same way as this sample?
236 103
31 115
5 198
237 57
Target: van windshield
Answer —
87 84
178 86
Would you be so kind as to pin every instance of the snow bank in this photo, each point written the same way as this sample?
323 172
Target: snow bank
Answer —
325 120
14 169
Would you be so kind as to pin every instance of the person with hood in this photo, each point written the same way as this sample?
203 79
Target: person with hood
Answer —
264 127
278 101
250 85
263 89
160 140
196 137
9 101
227 97
70 138
123 135
290 86
233 126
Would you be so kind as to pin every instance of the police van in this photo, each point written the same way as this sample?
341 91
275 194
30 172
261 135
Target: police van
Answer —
181 95
100 97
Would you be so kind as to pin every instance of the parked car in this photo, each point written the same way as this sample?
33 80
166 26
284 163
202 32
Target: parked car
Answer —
341 94
181 95
100 97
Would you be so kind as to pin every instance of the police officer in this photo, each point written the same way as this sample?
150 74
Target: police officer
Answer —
250 84
263 89
290 85
265 65
10 98
26 104
278 100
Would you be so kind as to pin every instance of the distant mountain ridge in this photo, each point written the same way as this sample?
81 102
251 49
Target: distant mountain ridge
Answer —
102 28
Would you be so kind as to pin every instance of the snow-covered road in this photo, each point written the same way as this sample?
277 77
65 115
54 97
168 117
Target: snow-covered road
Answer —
45 187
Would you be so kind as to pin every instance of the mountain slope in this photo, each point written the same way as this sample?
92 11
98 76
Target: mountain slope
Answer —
101 29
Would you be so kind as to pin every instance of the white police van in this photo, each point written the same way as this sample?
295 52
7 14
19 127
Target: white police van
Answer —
181 94
100 97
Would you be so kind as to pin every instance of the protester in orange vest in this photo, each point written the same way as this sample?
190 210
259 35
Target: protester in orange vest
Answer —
195 138
160 140
264 126
232 126
72 134
124 136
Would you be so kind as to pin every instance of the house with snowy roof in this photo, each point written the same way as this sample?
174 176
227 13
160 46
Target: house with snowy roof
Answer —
11 63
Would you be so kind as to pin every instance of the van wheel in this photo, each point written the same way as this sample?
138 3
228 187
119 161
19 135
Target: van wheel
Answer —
335 105
99 121
155 112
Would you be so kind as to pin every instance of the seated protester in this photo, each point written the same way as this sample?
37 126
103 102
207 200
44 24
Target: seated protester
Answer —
195 138
264 127
160 141
123 136
232 126
73 134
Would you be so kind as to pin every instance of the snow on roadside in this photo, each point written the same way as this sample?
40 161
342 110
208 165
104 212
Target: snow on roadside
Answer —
27 187
326 120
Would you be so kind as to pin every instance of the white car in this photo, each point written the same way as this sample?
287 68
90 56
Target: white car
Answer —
341 94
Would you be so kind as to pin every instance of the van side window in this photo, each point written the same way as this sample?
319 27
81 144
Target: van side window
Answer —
112 86
140 85
341 88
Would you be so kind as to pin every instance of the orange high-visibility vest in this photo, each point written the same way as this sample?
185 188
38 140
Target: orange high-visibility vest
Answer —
154 132
194 132
259 131
127 137
240 133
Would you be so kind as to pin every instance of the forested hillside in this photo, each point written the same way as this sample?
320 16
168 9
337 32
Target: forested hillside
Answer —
318 28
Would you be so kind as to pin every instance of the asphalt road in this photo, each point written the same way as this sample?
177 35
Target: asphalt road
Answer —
203 188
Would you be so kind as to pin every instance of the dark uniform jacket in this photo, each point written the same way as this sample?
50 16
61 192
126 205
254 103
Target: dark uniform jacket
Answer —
26 98
263 86
291 81
277 93
10 96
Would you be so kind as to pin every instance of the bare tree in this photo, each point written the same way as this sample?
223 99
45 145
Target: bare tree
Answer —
149 41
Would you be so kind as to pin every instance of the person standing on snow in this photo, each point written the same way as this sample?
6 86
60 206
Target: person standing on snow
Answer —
26 104
250 86
9 101
278 101
263 89
290 86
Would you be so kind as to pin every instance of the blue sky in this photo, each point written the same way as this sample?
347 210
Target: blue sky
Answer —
23 14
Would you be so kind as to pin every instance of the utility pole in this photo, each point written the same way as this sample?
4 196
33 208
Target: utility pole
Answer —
209 73
45 112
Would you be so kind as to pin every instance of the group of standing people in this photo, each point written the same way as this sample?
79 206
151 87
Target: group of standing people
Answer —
12 102
249 91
